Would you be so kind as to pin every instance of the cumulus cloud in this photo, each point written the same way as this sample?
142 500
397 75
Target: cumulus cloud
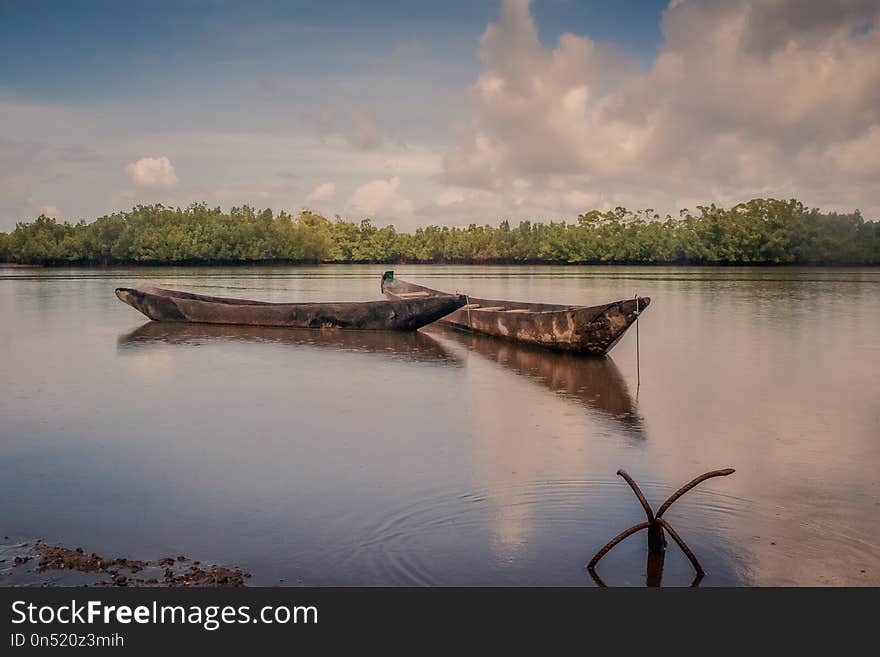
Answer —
323 192
381 197
51 211
152 172
744 99
450 197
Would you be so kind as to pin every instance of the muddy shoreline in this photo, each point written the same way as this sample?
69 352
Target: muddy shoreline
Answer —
58 565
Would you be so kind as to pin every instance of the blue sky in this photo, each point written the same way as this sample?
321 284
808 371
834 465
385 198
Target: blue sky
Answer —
88 52
418 112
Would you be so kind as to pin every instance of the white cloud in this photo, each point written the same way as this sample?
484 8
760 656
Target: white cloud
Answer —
152 172
858 156
744 99
380 197
51 211
323 192
450 197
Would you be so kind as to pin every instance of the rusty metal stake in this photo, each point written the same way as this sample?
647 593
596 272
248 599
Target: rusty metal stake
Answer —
656 526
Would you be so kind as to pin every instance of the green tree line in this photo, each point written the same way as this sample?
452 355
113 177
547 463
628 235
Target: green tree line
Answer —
762 231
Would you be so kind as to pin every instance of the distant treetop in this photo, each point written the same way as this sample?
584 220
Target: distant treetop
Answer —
761 231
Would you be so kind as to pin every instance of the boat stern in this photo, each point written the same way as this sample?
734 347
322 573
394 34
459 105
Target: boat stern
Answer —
414 314
608 327
155 307
126 295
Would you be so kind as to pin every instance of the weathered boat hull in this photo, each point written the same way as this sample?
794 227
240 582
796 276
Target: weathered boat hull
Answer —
592 330
394 315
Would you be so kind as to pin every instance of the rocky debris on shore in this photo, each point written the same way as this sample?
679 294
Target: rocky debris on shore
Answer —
61 558
214 576
177 571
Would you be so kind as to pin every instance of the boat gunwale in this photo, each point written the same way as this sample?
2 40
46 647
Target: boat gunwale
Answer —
519 311
555 308
379 315
232 301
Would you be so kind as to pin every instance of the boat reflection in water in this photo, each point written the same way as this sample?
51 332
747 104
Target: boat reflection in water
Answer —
411 345
596 383
531 456
521 422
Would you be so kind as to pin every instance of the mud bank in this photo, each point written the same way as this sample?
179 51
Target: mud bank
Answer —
57 565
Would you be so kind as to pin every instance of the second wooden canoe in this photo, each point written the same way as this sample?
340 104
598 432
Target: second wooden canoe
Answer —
395 315
591 330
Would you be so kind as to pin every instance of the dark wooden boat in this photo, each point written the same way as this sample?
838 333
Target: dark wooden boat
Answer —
591 330
394 315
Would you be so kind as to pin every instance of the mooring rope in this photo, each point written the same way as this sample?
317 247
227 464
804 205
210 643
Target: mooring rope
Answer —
638 369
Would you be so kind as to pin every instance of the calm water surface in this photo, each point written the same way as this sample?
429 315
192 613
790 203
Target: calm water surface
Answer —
442 458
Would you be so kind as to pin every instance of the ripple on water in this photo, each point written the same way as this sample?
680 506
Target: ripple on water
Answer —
508 528
520 534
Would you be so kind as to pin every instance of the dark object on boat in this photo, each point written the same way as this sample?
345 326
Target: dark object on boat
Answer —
395 315
656 525
589 330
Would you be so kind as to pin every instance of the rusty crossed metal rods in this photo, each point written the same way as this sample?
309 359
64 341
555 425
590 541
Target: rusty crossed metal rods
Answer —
656 524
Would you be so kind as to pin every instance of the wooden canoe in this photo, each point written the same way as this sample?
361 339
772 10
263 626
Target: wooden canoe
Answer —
591 330
394 315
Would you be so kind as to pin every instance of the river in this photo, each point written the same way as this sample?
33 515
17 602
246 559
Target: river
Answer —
441 458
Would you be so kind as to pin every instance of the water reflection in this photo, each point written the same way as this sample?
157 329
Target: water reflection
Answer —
596 383
414 346
653 572
476 463
518 441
